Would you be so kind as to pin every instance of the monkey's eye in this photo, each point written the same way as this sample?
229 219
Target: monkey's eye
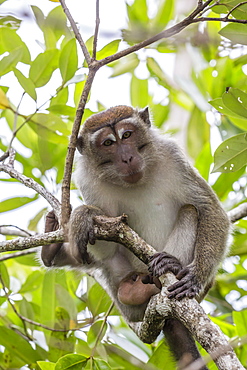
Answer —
126 134
108 142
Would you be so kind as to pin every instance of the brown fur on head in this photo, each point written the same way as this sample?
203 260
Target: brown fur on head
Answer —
107 117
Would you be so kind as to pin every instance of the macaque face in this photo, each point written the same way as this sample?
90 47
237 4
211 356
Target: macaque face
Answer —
119 149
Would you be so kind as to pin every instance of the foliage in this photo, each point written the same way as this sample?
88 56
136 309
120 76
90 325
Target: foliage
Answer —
67 326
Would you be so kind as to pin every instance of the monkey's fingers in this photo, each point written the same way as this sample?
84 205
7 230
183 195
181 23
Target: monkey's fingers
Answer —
161 263
179 290
186 287
182 273
149 279
91 237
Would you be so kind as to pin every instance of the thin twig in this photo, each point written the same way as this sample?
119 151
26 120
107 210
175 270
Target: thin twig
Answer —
26 320
238 213
72 146
14 309
18 254
76 32
234 8
8 230
30 183
212 19
97 22
101 329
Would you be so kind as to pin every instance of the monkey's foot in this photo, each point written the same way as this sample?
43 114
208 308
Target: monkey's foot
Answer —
162 262
187 286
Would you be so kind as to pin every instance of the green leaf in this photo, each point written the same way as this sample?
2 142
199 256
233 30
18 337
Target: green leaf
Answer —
138 12
48 306
221 108
66 301
4 275
13 203
236 101
101 365
164 14
10 40
32 282
43 67
73 362
26 83
235 32
44 365
139 92
108 49
98 300
68 60
18 346
126 65
240 320
198 132
40 18
4 103
204 160
231 155
63 110
61 97
225 6
10 61
50 127
33 223
161 355
94 331
57 22
157 72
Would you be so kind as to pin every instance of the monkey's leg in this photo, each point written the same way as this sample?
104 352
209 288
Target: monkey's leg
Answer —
181 344
48 252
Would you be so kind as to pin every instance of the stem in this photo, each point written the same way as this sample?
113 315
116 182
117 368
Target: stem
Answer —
66 209
76 32
97 22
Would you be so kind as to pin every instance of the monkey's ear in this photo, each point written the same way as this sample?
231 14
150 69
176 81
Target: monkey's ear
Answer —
144 114
79 144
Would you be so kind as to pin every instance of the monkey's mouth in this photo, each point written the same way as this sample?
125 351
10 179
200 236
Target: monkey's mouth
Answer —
133 178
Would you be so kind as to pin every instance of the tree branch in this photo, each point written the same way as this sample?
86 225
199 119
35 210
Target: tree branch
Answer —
188 311
72 146
94 65
238 213
32 241
76 32
97 22
30 183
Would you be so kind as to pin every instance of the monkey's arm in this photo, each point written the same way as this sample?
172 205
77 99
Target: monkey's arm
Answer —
81 233
210 249
207 241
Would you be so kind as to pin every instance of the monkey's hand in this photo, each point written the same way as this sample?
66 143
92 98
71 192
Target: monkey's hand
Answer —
81 231
162 262
48 252
187 286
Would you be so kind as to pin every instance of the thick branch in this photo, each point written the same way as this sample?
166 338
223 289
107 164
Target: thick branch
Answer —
32 241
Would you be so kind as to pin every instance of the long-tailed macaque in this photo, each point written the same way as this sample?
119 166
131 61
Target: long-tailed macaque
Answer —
126 166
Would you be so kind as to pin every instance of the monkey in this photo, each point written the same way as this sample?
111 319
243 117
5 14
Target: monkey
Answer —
126 165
